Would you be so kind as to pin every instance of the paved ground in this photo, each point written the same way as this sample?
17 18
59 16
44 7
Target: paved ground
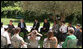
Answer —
28 27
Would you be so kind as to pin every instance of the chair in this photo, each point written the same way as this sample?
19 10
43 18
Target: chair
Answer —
16 43
3 42
72 43
49 44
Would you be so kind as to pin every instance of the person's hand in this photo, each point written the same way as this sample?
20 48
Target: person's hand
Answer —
44 28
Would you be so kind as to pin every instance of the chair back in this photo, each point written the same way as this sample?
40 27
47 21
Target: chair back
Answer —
49 44
16 43
3 41
72 43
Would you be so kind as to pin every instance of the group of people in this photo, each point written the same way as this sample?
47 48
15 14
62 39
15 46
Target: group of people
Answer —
57 36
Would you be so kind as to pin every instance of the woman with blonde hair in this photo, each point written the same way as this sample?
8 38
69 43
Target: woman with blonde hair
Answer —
34 38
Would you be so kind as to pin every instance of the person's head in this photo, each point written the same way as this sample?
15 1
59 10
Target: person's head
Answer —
63 22
34 32
36 20
22 20
81 29
70 24
45 20
17 30
50 34
70 31
55 21
78 26
11 22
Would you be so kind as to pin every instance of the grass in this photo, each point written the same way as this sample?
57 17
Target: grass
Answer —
6 22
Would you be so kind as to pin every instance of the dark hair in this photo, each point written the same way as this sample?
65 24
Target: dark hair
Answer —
22 19
5 29
71 31
81 28
11 21
70 22
63 22
54 20
50 33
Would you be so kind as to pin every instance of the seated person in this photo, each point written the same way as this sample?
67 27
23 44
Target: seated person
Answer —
4 33
33 38
79 37
46 26
10 27
70 37
50 41
16 34
63 31
70 26
36 25
55 28
22 25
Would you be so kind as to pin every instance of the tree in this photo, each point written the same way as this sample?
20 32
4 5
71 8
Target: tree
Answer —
62 8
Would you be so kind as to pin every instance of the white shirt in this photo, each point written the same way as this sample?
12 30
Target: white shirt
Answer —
63 29
20 38
70 28
5 34
2 31
22 25
17 35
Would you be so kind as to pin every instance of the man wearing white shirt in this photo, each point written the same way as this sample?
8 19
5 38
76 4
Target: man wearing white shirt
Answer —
63 30
22 25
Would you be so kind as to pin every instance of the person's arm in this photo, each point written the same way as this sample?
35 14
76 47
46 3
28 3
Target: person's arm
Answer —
24 25
33 24
29 34
18 24
8 38
39 34
56 42
13 26
38 25
53 27
8 26
44 43
60 29
48 25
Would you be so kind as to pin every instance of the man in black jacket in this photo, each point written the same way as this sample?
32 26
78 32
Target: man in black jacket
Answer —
22 25
35 25
46 26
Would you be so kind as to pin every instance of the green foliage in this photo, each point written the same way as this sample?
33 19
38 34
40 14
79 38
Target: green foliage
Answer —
10 8
30 10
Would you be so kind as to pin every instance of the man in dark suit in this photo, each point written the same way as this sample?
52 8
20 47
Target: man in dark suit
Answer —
46 26
35 25
22 25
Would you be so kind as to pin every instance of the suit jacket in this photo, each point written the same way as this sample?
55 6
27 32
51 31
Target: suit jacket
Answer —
36 26
46 25
19 24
